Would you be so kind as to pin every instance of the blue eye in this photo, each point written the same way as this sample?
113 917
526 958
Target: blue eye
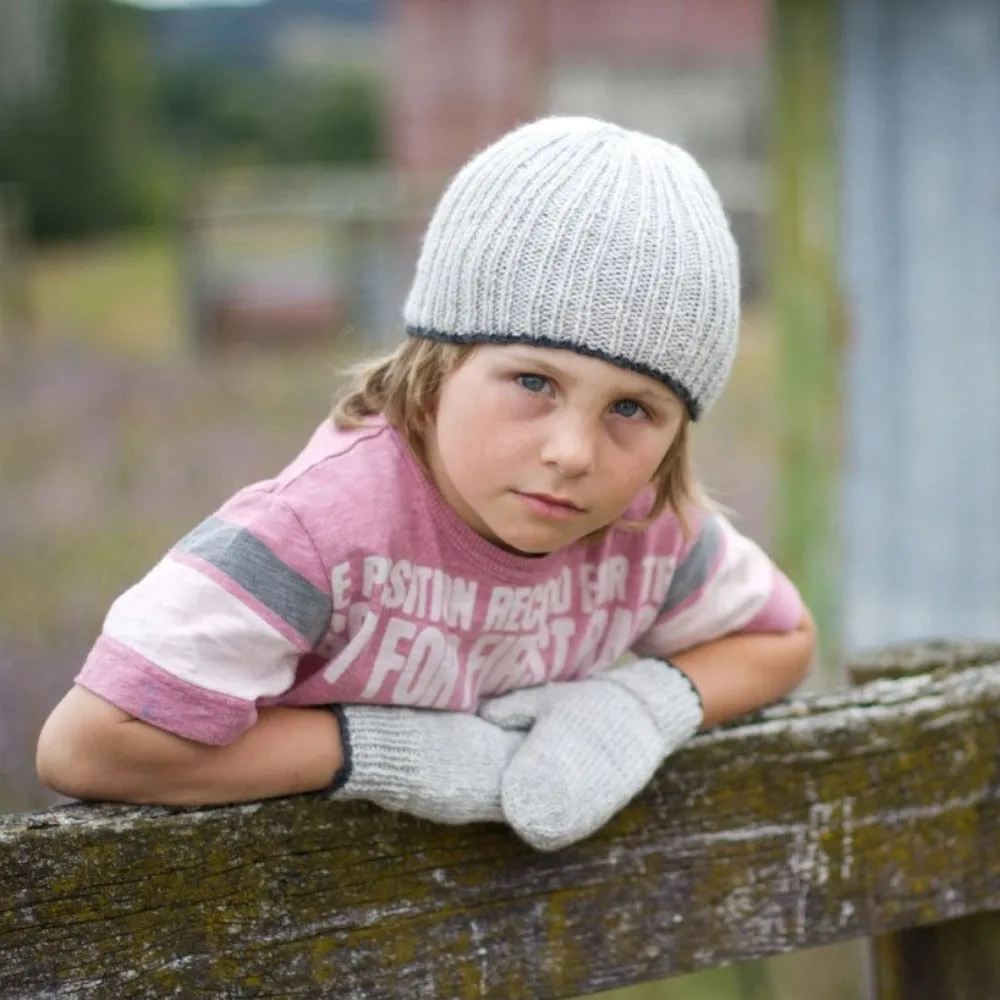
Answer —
629 409
533 383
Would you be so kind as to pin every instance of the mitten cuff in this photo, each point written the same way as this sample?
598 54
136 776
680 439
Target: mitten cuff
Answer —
667 692
343 774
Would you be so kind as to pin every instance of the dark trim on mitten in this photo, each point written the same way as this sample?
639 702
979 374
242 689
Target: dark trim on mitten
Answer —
691 683
344 774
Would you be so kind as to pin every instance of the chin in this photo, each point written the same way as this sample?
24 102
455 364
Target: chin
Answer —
532 543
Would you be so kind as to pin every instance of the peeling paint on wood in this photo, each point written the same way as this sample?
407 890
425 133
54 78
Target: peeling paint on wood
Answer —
820 819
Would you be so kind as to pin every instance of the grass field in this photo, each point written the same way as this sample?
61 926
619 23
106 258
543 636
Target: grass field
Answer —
118 295
115 439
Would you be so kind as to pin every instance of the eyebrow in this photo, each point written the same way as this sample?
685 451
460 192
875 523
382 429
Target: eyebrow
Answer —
662 398
531 363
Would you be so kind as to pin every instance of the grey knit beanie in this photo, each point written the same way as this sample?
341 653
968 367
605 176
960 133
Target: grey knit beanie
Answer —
576 233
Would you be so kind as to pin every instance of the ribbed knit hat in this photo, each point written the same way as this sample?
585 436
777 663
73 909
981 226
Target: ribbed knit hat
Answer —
576 233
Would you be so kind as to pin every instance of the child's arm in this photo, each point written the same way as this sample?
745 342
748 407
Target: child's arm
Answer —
443 766
89 749
166 706
746 670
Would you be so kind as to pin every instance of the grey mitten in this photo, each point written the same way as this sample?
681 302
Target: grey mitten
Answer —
593 745
442 766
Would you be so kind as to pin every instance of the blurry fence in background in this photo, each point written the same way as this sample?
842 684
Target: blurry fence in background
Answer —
15 293
285 257
290 256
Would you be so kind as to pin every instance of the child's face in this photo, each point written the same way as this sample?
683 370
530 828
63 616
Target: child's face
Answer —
536 447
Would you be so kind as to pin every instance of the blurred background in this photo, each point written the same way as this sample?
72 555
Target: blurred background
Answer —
208 209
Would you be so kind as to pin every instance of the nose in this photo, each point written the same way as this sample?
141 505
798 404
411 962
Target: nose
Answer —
570 445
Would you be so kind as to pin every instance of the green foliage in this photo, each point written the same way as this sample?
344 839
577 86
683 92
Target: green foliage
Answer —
84 154
222 115
106 146
340 123
808 308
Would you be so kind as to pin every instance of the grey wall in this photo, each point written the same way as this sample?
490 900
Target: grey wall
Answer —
921 267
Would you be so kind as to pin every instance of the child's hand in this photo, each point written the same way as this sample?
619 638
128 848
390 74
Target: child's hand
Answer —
442 766
593 745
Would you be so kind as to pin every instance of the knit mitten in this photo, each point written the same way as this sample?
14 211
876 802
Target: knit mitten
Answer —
593 746
442 766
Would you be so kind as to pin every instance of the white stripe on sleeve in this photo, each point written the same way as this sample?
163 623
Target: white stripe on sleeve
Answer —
732 596
193 628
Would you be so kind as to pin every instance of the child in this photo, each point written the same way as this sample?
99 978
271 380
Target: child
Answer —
505 504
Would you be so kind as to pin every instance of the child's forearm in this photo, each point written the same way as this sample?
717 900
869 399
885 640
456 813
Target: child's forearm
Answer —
90 749
742 672
289 750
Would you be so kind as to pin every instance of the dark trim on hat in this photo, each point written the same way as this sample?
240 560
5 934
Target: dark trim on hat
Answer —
692 405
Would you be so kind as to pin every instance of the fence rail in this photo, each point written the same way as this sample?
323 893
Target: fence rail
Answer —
857 813
284 256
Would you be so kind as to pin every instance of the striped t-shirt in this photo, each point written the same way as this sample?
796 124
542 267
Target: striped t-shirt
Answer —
348 578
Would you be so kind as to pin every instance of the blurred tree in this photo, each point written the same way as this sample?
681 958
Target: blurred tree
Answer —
227 114
84 152
205 110
104 144
341 122
26 42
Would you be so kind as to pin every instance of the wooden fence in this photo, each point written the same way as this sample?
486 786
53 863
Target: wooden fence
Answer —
285 256
16 319
868 812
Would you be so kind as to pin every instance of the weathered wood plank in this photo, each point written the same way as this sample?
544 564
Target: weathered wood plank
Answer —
825 818
909 659
956 959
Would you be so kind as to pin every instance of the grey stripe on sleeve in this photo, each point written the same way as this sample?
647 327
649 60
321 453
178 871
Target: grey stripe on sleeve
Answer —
692 573
250 563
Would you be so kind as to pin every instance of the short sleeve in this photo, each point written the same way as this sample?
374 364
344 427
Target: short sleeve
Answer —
220 622
723 583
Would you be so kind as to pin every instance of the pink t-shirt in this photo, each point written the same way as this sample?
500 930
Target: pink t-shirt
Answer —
348 578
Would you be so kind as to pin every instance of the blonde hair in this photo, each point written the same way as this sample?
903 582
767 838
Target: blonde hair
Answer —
404 388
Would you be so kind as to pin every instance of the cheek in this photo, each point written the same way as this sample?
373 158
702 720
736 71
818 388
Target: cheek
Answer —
488 417
640 450
467 438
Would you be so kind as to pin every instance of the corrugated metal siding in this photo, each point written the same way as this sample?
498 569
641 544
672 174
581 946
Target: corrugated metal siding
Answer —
921 266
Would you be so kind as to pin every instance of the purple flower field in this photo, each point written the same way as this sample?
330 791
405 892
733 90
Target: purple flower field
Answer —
105 462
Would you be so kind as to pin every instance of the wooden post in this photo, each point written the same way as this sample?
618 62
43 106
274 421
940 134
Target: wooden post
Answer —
957 959
192 264
16 315
806 303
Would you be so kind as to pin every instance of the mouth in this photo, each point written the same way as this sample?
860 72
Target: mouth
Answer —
549 505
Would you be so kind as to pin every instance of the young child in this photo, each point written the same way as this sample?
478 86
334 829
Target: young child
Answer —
505 504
